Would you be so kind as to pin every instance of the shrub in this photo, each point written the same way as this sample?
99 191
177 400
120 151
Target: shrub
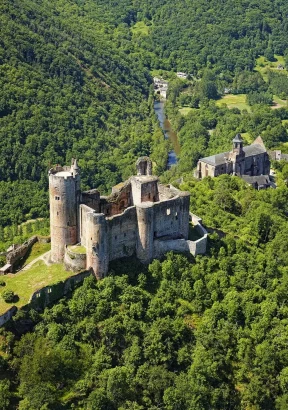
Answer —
8 296
2 283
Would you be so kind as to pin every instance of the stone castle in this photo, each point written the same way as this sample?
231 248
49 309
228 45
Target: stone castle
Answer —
141 217
250 163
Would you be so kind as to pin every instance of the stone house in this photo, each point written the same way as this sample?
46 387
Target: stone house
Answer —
250 161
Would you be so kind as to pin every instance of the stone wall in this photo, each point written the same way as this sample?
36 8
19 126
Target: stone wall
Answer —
19 253
181 245
44 239
7 315
171 218
47 295
74 261
118 201
50 294
121 230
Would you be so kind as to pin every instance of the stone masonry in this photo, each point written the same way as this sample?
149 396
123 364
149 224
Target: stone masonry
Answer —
141 217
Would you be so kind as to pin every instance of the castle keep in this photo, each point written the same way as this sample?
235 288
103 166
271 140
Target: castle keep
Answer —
141 217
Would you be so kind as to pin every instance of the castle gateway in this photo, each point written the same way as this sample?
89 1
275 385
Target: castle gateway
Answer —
141 217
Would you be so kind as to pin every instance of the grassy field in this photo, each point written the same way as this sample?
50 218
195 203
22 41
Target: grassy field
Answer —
81 250
24 283
262 65
278 103
234 101
37 250
140 28
185 110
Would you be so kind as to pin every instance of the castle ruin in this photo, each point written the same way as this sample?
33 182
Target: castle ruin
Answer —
141 217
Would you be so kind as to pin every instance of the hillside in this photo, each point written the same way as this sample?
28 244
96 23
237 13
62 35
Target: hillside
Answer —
192 34
67 91
204 333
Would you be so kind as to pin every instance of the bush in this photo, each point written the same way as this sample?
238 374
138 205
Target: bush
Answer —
2 283
8 296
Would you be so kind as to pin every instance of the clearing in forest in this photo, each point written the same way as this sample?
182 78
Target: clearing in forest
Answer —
25 282
234 101
263 65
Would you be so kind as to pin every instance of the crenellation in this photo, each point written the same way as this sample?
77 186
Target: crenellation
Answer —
140 217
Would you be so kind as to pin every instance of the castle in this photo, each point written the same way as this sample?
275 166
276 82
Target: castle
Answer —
250 163
140 217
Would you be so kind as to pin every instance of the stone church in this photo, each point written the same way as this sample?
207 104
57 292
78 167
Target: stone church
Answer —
250 163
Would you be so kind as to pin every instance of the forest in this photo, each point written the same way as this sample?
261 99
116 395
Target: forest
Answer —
183 333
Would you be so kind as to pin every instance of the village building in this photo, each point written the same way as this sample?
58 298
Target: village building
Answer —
250 163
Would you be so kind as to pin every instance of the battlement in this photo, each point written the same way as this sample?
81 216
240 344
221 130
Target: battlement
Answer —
66 171
137 218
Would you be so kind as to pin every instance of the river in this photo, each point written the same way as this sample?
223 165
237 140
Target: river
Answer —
168 133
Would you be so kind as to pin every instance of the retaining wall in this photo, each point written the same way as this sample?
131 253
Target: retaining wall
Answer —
51 293
47 295
7 315
14 256
74 261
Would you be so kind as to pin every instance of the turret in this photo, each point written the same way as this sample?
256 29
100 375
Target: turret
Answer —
238 144
97 245
64 190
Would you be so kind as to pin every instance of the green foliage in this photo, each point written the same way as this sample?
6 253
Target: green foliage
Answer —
5 394
278 84
68 90
259 98
8 296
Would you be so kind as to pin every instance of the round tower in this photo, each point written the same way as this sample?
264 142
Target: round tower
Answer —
64 190
97 245
145 219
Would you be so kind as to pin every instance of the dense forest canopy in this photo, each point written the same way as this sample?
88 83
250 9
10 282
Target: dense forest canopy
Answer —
182 334
185 333
75 78
69 91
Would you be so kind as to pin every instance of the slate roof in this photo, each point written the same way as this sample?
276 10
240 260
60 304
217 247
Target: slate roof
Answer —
261 180
219 159
254 149
238 138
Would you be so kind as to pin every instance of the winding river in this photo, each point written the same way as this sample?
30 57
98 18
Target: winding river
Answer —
168 133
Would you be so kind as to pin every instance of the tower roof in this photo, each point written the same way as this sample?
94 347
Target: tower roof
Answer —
75 165
238 138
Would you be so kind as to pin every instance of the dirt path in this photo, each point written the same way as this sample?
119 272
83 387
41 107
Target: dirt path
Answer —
44 257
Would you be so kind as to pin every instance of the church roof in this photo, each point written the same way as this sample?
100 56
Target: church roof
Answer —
222 158
216 159
254 149
238 138
261 180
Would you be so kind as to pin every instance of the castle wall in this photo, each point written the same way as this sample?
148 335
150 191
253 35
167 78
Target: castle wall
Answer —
117 202
84 224
144 189
122 234
91 199
167 192
145 232
7 315
171 217
97 244
14 256
63 214
74 261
